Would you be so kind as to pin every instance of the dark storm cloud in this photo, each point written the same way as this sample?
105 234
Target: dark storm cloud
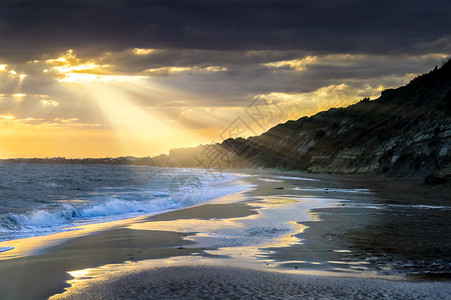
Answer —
241 82
127 62
31 27
389 42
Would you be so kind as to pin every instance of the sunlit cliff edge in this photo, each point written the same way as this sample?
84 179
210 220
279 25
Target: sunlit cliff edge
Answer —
405 132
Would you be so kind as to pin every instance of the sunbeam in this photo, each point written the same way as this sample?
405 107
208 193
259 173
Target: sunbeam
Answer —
139 130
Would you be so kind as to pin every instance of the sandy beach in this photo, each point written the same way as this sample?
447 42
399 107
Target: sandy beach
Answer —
291 235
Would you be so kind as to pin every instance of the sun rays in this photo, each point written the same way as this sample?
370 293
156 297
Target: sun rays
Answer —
138 129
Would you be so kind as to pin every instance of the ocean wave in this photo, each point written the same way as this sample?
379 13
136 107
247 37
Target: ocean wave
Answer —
67 214
3 249
45 220
33 212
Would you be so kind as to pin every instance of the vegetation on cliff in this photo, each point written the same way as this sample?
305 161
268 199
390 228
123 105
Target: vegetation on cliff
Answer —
405 132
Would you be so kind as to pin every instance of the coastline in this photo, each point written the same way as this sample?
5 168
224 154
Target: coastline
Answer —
260 229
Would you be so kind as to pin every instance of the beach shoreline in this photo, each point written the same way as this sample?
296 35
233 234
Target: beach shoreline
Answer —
258 229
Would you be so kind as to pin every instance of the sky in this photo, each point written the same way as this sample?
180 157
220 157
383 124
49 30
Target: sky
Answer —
117 78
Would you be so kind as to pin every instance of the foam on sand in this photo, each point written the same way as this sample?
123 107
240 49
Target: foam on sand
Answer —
3 249
296 178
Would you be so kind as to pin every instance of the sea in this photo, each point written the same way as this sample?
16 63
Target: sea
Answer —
41 199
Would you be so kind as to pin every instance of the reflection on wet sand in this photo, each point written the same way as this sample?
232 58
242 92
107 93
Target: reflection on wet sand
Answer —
310 227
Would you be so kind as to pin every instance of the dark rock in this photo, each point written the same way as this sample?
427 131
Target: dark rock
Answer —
405 132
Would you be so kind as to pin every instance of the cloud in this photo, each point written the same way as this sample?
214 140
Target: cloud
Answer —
202 78
69 64
7 117
199 64
295 105
49 103
189 59
11 121
138 51
294 64
165 71
344 26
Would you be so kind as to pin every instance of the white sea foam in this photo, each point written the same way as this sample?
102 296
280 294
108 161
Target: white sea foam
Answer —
3 249
296 178
269 180
67 214
117 207
419 206
50 184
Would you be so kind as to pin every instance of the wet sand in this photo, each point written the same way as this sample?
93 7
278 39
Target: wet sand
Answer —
403 228
46 269
45 274
411 234
202 250
204 282
400 190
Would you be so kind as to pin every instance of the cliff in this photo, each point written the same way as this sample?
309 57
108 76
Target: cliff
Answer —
405 132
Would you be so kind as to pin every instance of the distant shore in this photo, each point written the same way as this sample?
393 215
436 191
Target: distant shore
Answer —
314 227
122 160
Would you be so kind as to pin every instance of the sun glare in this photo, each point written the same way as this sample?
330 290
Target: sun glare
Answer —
81 67
19 97
135 127
72 69
118 114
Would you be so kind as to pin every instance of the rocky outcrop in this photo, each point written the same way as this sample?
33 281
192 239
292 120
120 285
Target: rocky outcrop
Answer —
405 132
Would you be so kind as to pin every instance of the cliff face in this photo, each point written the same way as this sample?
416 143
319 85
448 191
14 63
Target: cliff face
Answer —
405 132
